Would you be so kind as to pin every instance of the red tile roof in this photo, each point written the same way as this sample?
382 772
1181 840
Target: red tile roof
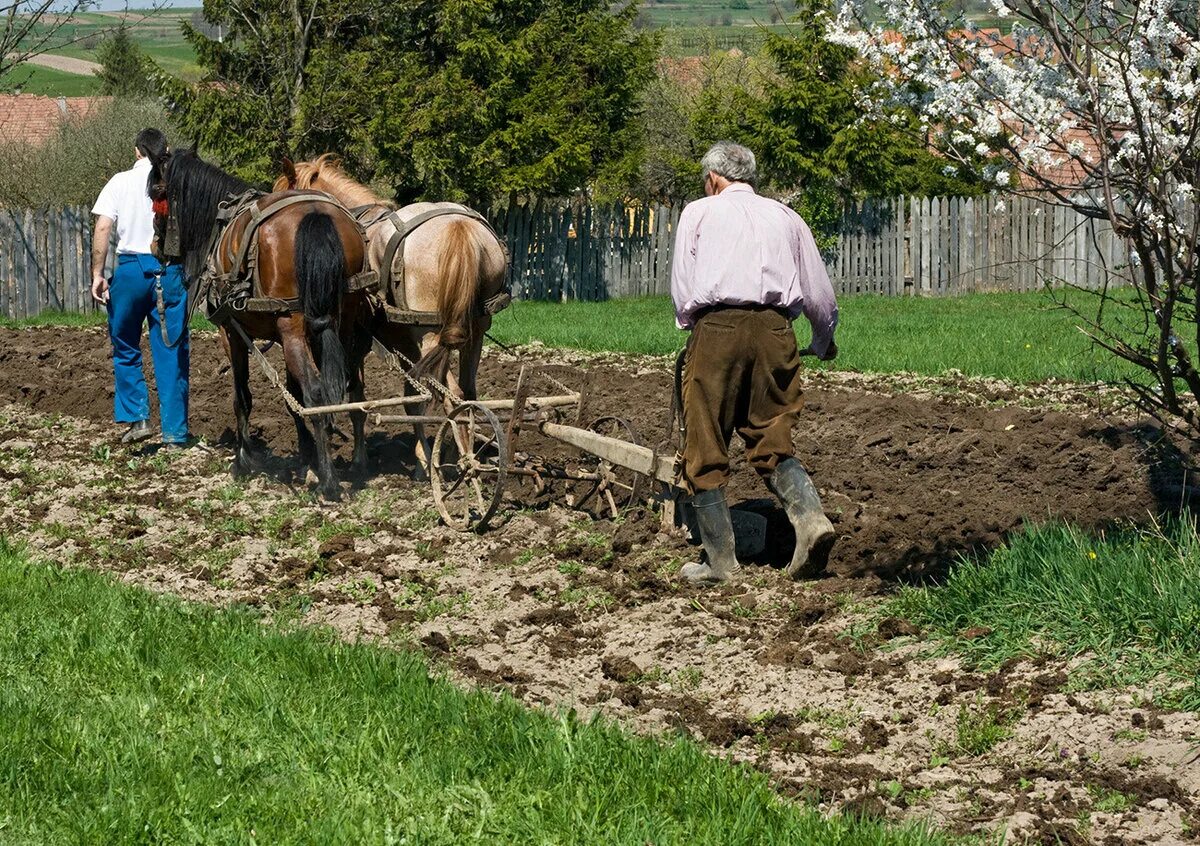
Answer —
34 119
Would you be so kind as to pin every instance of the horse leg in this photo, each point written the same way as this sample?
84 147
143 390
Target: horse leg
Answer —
468 359
304 438
239 363
433 407
356 391
303 368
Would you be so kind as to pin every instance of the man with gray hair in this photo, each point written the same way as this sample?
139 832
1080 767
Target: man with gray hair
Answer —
745 266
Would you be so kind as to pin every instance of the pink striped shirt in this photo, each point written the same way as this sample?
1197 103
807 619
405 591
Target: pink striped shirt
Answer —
737 248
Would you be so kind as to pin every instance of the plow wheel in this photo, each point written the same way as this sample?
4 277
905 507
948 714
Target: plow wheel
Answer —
468 468
609 488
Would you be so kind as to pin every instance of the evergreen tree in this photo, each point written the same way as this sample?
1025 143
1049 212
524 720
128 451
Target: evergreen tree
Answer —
125 71
454 99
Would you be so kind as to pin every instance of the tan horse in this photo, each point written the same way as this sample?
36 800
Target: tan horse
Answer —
450 264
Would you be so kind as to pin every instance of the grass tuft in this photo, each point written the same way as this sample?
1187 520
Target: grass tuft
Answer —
1126 602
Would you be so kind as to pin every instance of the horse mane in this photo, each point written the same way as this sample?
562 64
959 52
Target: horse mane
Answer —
195 189
324 173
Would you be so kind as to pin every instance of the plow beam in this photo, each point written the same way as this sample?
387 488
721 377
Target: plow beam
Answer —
637 458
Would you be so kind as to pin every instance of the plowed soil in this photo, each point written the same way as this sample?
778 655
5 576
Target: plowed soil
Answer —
564 610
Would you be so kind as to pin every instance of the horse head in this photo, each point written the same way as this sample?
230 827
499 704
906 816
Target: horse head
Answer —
193 191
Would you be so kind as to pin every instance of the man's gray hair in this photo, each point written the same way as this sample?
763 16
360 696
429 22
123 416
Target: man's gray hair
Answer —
733 161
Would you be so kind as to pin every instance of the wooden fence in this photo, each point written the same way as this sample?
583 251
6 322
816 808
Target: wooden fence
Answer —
45 261
918 246
952 245
582 252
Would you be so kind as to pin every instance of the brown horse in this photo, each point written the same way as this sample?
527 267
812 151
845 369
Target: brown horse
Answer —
305 254
450 265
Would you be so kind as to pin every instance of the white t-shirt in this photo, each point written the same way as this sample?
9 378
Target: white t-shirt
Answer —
126 200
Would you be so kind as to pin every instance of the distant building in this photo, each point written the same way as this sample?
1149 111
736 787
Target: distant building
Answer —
34 119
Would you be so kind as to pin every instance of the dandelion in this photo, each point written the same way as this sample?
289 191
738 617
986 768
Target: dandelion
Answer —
1029 346
1091 555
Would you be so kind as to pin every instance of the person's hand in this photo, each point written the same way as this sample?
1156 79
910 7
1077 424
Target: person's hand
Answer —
830 352
100 289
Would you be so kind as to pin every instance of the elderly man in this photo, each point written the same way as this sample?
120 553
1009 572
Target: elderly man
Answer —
142 290
745 266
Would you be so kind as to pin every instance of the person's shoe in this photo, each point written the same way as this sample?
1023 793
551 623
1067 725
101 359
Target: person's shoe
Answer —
138 431
814 532
187 442
716 533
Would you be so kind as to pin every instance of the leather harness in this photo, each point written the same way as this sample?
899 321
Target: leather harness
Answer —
398 311
238 287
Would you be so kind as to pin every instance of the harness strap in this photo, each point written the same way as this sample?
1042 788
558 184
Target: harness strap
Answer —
404 229
257 216
161 307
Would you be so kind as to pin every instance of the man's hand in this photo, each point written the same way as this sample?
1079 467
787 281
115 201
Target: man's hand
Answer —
100 289
830 352
99 256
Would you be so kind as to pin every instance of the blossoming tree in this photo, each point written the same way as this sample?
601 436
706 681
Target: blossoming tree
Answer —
1091 104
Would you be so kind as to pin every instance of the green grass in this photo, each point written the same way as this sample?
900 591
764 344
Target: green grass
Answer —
135 718
34 79
1127 603
84 319
1020 337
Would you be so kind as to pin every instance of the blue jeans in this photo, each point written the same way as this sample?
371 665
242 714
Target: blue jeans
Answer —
132 302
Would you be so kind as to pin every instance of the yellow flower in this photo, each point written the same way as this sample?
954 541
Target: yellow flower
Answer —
1028 346
1091 555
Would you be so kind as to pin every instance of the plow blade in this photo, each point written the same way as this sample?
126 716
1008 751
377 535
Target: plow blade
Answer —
637 458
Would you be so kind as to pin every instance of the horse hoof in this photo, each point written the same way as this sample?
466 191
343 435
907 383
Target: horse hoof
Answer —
243 466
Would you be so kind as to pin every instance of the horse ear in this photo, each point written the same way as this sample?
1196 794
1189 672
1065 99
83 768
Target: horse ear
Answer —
289 170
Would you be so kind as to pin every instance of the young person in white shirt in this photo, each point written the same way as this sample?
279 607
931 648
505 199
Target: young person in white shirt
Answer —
142 290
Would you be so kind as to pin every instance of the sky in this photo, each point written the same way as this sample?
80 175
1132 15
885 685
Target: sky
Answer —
118 5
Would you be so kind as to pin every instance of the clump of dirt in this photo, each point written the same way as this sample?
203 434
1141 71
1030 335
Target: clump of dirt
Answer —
891 628
620 668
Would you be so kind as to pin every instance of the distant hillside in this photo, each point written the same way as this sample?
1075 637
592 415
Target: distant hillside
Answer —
156 32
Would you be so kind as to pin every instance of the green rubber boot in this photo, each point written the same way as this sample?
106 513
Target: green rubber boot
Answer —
716 533
814 532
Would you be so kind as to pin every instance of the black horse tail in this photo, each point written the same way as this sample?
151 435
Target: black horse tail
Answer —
321 279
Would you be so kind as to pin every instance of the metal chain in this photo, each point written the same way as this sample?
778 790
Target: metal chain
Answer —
268 370
402 363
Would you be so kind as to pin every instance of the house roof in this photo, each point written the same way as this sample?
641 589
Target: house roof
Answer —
34 119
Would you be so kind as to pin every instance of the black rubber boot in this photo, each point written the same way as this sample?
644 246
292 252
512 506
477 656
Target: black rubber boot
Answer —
814 532
138 431
716 533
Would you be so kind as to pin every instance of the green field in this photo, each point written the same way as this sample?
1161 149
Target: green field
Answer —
33 79
157 32
1018 337
135 718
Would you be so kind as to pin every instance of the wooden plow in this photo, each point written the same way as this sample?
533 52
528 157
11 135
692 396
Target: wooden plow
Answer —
475 451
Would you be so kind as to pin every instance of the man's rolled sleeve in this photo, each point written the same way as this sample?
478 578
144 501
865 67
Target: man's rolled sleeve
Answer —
820 304
683 268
